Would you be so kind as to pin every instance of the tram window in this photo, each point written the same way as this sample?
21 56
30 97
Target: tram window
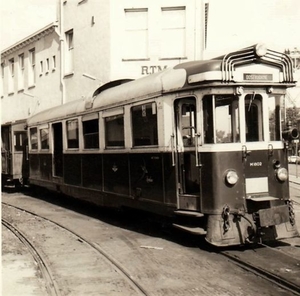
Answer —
114 131
72 133
208 119
19 140
221 119
188 124
144 125
91 134
44 136
4 138
33 138
253 116
227 119
274 118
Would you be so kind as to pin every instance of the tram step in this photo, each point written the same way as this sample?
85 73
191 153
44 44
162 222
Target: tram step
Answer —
189 213
193 230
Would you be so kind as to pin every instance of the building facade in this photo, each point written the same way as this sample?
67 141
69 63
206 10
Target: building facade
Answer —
110 40
30 75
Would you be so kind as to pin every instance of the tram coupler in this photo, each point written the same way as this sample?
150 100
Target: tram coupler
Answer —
226 212
225 216
290 205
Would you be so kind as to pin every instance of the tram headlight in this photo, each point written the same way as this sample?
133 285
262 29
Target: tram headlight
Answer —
231 177
282 174
260 50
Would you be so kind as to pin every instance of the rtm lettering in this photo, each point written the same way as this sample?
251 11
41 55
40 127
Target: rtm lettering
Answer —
146 70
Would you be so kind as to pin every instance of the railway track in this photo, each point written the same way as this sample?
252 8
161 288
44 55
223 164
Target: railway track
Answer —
269 263
52 285
244 258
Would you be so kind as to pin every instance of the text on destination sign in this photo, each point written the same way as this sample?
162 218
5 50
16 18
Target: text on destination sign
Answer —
262 77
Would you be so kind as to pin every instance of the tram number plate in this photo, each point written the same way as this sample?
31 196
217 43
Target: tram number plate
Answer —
274 216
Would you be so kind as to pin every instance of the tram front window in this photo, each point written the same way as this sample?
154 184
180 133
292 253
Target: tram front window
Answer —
274 103
254 118
222 124
225 119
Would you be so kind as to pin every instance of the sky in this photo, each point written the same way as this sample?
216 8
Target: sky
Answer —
232 23
21 18
241 23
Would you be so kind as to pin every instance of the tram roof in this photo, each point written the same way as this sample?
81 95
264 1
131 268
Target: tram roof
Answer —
169 80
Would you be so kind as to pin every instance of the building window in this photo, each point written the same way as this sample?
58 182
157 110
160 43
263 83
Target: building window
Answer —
72 133
11 75
91 133
53 63
136 30
144 125
173 36
44 137
69 67
47 66
33 138
21 67
114 131
31 68
41 68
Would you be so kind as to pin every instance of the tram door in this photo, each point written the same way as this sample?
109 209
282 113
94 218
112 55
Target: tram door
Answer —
5 150
58 149
188 173
256 168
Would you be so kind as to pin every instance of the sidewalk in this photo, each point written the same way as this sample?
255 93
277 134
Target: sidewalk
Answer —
294 179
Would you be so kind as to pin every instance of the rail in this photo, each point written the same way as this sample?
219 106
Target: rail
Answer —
51 286
109 259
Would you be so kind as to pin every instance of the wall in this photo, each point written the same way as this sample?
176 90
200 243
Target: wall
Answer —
91 28
155 60
100 41
45 92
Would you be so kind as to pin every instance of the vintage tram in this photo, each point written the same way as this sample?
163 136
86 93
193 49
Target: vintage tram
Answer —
201 142
13 142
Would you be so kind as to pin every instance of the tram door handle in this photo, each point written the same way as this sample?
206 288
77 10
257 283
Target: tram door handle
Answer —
270 150
197 137
173 149
245 151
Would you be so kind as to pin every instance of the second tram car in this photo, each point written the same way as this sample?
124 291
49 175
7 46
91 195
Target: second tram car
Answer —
201 142
14 166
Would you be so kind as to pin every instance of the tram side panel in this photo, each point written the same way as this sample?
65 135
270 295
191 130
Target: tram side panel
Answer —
110 179
92 171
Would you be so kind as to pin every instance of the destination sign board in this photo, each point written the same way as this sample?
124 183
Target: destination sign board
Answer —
258 77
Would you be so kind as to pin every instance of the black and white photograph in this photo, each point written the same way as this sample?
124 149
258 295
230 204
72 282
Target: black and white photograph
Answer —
150 147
